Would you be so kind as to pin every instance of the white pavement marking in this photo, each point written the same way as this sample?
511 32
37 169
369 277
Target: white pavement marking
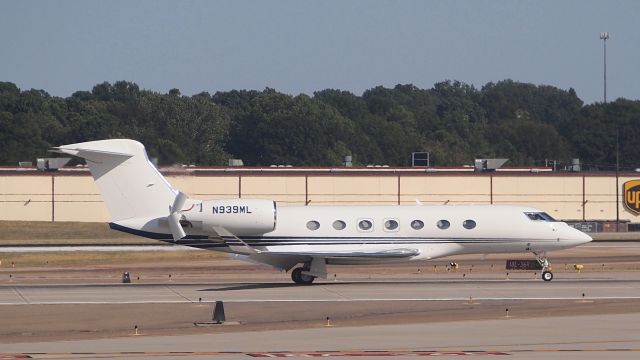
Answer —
323 292
188 301
20 294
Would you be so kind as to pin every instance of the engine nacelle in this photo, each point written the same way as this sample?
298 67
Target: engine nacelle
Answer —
240 216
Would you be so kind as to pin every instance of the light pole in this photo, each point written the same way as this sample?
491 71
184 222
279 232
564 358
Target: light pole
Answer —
617 178
604 36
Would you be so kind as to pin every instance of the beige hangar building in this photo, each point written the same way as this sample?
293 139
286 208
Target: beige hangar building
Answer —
70 194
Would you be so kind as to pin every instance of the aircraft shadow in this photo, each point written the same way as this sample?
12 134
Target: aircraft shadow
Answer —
251 287
268 286
282 285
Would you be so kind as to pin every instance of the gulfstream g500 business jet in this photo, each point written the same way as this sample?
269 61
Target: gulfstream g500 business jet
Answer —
140 201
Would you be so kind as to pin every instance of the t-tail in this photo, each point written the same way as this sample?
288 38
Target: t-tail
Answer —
135 192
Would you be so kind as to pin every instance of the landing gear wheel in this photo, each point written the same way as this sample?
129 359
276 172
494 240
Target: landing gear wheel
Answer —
544 263
299 278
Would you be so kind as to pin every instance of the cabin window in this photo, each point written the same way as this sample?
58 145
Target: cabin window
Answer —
443 224
540 216
339 225
417 224
365 225
469 224
313 225
391 225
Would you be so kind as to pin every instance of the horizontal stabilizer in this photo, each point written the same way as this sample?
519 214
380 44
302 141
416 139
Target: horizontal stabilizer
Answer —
86 153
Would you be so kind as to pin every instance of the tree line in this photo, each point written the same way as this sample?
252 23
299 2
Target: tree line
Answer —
453 121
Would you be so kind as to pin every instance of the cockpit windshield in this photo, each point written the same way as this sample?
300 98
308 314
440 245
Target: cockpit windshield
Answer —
540 216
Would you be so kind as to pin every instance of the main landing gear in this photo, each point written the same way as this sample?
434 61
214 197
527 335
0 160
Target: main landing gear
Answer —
547 275
310 270
299 277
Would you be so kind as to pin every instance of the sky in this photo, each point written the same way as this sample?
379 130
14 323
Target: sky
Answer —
300 46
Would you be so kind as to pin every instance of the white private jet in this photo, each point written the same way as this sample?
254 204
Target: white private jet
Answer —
142 202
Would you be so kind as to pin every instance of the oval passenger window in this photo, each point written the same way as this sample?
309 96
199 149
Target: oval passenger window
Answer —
365 225
391 224
313 225
339 225
417 224
443 224
469 224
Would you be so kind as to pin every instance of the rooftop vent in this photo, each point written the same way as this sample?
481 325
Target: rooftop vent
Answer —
347 161
51 164
489 164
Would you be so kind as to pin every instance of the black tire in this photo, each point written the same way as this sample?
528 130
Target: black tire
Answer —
547 275
299 278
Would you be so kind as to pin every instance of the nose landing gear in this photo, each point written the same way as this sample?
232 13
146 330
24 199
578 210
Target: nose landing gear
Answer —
547 275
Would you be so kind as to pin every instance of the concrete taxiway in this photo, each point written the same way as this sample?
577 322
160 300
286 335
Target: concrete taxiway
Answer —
578 337
601 286
398 311
446 316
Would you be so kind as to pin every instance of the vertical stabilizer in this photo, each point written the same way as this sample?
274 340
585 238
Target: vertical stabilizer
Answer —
130 185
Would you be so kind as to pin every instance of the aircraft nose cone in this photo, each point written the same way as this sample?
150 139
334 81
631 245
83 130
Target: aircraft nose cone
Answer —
584 238
578 237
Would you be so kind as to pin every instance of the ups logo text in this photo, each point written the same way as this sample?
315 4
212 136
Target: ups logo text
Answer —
632 196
